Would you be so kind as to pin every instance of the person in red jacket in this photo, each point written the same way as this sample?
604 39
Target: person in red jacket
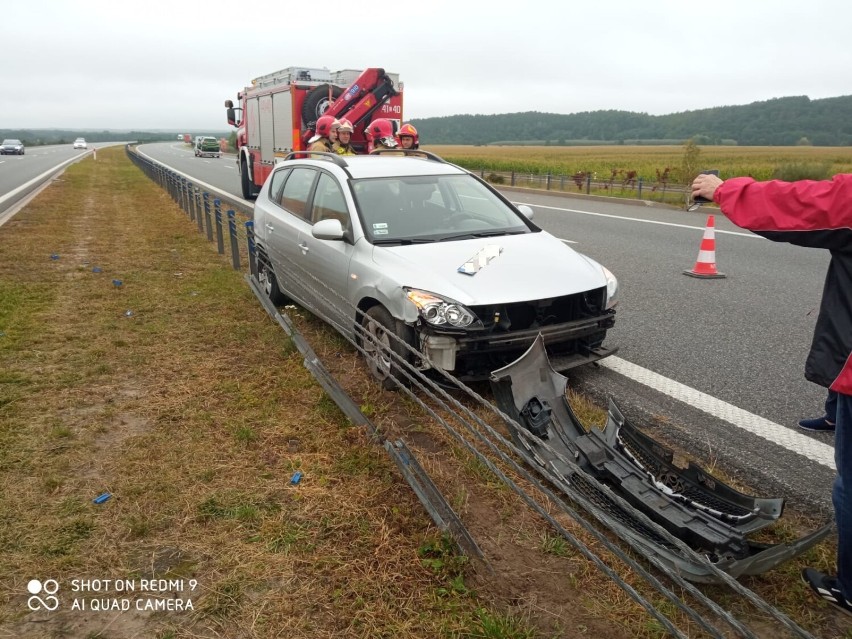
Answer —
815 214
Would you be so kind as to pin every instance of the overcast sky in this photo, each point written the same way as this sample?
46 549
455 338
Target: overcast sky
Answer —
126 64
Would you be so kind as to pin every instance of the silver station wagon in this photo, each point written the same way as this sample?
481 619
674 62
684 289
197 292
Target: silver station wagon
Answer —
412 246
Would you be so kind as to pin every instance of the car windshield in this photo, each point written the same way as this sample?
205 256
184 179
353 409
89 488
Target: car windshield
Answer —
11 141
79 140
434 208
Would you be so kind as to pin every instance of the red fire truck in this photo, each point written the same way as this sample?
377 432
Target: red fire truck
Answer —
278 112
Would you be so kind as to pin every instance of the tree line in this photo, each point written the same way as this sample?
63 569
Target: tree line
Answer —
778 122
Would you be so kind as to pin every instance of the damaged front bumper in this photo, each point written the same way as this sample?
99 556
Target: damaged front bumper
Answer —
472 355
712 518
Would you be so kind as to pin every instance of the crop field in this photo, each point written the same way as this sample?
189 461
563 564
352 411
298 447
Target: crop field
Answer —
759 162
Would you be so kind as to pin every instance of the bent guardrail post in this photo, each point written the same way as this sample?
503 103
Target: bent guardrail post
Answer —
252 256
235 248
196 205
187 197
220 240
206 199
209 220
190 195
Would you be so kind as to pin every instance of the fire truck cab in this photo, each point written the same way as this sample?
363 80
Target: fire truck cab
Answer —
278 112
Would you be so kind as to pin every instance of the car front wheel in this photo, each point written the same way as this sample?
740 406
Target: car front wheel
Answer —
382 335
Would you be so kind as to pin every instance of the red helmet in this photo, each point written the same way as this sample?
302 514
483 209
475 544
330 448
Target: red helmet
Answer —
381 130
345 125
410 131
324 125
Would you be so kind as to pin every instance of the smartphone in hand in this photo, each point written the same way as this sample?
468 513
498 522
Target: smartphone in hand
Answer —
698 198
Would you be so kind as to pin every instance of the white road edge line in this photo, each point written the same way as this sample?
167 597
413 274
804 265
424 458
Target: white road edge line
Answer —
805 446
26 185
636 219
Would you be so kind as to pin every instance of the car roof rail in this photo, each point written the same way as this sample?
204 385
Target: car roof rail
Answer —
337 159
412 152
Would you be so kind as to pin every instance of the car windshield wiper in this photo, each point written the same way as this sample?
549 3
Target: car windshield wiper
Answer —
475 234
403 241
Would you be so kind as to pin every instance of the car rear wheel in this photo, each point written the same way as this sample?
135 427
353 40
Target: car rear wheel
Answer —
381 331
268 282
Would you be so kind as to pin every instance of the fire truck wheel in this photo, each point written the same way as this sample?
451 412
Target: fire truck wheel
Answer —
245 183
317 101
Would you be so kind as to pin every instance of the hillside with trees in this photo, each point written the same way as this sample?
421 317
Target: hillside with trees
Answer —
778 122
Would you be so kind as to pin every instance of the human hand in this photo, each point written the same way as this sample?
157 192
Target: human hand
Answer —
705 186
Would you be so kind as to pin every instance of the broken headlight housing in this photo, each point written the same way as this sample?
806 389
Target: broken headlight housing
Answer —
441 311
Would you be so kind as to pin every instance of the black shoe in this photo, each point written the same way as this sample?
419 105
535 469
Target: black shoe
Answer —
818 424
828 588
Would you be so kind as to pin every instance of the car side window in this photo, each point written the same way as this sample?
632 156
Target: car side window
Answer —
297 189
275 184
329 202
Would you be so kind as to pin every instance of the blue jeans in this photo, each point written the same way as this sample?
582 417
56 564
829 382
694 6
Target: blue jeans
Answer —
841 493
831 407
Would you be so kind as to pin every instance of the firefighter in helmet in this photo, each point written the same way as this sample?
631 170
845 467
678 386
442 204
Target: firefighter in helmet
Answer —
343 145
326 134
380 134
408 138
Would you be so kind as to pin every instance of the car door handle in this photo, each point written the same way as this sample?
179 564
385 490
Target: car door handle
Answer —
269 227
304 247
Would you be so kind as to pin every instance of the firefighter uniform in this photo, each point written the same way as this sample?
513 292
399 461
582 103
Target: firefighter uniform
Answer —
321 144
343 149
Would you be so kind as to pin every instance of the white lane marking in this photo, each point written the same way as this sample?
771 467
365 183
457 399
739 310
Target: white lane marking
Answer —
14 192
814 450
636 219
567 241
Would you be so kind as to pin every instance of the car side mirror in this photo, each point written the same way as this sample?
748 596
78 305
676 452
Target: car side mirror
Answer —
526 210
329 229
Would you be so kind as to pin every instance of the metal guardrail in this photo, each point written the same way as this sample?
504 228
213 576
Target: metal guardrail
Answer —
211 214
588 184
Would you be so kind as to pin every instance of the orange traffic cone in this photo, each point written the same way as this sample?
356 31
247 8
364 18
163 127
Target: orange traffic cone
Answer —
705 265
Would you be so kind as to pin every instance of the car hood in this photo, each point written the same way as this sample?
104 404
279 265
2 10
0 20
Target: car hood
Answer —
528 267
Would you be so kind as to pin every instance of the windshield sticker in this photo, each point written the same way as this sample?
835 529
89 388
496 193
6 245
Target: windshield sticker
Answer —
482 258
380 225
380 232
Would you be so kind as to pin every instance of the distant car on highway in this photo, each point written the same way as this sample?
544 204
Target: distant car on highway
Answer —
80 143
12 147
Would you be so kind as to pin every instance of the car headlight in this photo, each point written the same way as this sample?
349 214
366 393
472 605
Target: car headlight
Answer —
439 311
611 288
